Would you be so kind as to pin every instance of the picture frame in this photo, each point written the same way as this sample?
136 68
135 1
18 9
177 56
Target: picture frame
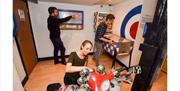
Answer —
77 23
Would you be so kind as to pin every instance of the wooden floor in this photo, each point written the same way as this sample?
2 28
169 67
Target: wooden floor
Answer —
46 73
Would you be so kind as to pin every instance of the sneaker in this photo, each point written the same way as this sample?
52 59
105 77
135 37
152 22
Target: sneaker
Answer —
63 62
57 62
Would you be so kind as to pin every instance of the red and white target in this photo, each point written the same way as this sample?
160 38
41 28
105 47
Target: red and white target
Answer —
130 23
131 28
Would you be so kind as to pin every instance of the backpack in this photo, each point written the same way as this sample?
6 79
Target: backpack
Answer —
53 87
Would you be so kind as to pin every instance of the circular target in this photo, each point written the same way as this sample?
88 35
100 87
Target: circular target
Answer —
130 23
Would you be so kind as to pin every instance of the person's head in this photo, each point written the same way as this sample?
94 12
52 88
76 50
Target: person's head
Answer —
86 47
53 11
109 19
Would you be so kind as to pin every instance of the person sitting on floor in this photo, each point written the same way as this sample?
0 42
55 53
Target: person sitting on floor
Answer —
76 62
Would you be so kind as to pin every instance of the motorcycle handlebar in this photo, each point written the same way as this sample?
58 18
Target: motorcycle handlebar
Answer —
117 73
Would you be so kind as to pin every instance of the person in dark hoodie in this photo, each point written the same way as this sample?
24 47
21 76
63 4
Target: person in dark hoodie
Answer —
53 26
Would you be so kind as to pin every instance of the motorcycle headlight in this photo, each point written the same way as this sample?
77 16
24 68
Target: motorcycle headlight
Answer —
100 69
105 85
80 81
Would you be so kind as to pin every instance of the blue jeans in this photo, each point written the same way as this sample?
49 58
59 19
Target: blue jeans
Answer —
58 45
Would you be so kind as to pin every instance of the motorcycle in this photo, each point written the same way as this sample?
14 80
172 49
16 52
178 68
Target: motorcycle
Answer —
99 80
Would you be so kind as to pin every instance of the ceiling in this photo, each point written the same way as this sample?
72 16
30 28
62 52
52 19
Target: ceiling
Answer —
86 2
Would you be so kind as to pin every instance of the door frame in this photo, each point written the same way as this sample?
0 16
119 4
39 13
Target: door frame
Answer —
26 77
26 1
18 46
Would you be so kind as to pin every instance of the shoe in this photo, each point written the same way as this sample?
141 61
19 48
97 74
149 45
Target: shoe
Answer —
63 62
56 62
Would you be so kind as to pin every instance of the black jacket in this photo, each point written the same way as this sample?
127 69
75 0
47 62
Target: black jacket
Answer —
53 25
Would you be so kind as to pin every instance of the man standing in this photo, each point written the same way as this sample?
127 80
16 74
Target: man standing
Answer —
53 26
99 36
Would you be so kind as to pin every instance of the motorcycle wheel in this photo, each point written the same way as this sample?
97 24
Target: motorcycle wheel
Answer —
116 85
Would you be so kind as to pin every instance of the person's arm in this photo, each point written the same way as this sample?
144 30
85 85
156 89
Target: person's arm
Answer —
100 34
71 69
62 20
105 40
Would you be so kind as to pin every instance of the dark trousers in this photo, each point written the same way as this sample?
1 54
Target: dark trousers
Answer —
70 80
58 45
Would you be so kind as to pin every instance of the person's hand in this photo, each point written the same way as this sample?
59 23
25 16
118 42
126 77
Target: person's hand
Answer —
88 68
73 17
123 72
106 35
111 41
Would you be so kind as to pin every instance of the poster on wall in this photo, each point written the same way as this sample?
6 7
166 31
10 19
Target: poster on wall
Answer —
100 17
130 23
76 23
21 14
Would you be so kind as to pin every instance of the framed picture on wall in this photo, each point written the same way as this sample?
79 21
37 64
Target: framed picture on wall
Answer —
76 23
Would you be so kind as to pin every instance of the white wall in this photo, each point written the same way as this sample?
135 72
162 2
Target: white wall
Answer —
120 11
71 38
17 86
147 15
18 63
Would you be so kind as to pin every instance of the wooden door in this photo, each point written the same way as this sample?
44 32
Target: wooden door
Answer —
24 36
